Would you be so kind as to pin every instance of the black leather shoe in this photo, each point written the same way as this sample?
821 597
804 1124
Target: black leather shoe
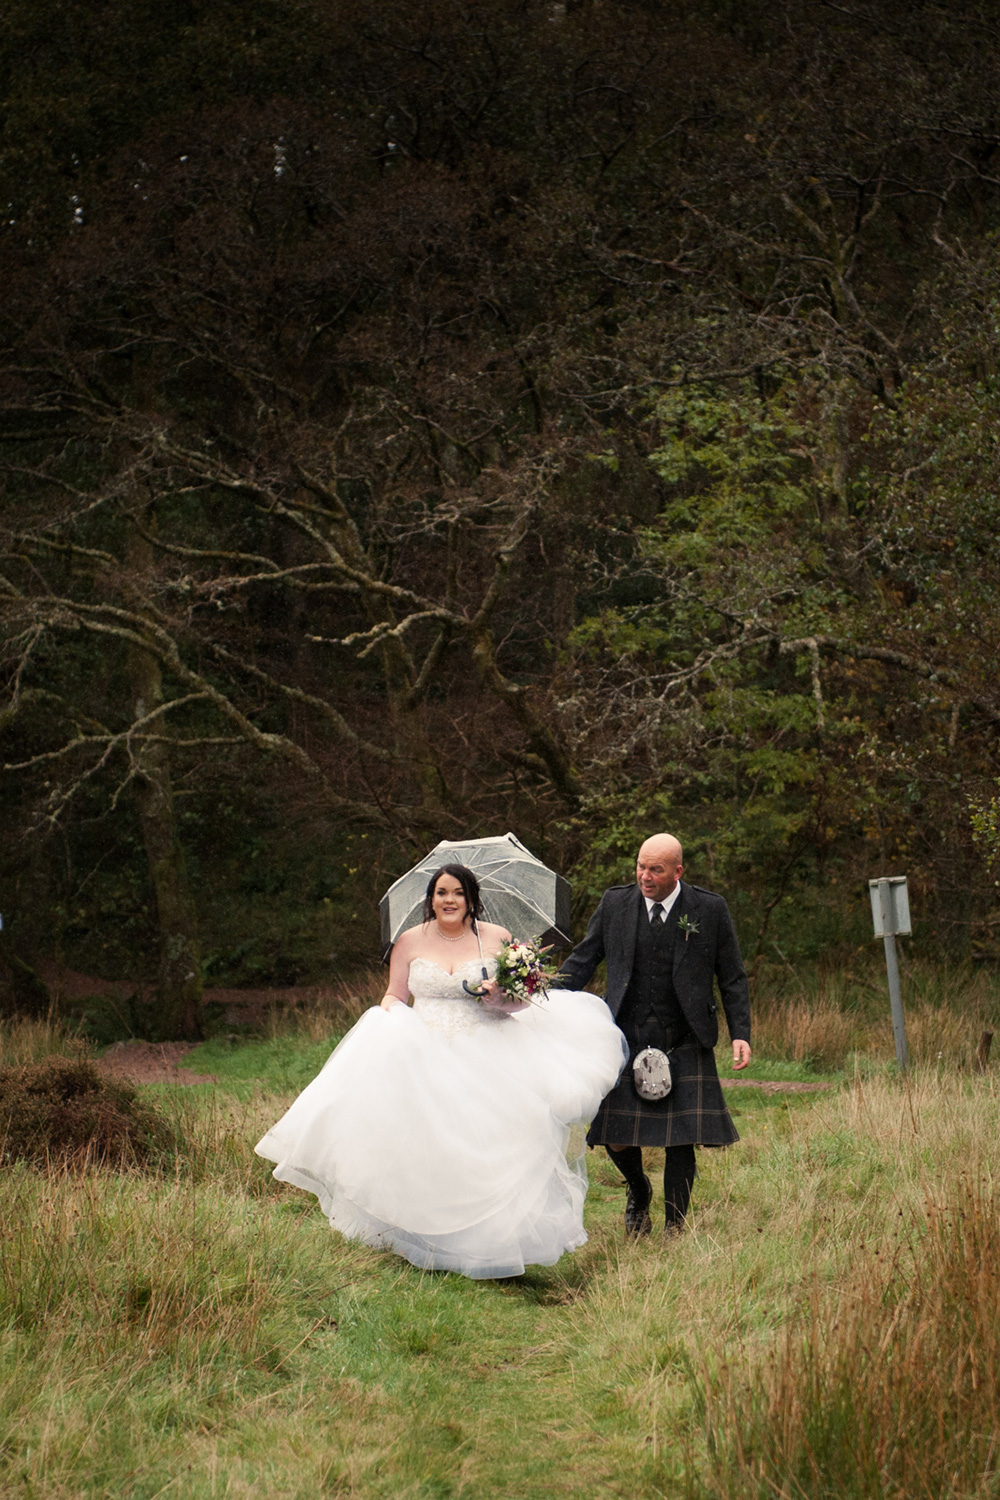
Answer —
637 1220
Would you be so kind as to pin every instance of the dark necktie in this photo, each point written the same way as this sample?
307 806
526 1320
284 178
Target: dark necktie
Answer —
656 915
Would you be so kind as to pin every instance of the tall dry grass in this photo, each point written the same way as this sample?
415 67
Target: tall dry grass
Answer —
746 1359
825 1018
27 1040
888 1386
153 1328
331 1011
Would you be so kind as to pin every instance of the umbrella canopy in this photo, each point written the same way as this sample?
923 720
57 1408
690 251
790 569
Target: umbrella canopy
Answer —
518 891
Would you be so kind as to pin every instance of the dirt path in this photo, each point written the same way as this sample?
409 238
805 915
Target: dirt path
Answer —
151 1062
772 1086
159 1062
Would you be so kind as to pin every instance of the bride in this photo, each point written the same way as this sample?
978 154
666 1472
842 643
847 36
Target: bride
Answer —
443 1130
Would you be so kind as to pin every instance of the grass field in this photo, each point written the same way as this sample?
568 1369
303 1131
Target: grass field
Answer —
829 1325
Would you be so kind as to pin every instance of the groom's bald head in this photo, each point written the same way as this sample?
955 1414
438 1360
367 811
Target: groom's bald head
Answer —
659 865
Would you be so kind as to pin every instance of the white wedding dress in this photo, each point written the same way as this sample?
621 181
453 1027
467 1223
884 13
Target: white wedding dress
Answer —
445 1131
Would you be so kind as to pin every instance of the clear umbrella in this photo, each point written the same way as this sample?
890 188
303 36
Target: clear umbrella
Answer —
518 891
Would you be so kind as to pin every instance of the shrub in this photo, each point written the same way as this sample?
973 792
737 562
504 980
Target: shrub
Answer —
62 1110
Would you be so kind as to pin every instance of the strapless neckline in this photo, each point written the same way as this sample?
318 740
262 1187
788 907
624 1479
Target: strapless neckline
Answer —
479 962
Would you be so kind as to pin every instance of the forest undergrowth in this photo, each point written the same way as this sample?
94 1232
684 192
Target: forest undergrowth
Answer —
828 1325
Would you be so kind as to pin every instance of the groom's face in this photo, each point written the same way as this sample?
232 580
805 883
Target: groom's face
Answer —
658 868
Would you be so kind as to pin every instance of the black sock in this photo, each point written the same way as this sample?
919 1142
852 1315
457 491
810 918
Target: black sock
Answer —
629 1164
678 1176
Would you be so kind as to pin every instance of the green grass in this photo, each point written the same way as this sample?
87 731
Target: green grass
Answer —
203 1333
283 1063
776 1070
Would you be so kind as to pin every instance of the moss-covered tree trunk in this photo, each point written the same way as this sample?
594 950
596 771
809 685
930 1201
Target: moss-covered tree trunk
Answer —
179 980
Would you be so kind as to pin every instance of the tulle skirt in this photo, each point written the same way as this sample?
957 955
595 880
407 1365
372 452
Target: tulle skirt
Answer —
446 1132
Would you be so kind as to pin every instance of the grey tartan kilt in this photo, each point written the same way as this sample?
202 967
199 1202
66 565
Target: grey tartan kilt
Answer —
694 1113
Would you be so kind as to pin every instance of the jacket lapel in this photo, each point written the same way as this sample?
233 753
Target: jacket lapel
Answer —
630 916
681 945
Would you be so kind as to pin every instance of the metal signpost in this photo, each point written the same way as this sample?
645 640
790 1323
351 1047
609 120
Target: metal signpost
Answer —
891 913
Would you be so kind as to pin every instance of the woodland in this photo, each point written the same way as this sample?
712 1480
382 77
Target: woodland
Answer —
424 420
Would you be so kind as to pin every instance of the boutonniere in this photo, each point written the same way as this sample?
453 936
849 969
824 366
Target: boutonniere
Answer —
687 927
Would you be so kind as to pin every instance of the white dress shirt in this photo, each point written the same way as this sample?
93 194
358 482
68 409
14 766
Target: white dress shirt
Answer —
666 903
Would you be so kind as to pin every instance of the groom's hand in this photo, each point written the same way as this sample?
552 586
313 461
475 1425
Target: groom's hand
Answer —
741 1054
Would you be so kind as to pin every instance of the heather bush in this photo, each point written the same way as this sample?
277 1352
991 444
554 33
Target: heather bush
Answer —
62 1110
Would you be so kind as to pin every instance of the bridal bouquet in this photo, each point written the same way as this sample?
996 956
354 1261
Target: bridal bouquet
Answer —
522 971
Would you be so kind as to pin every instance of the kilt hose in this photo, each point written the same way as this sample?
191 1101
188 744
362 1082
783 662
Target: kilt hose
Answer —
694 1113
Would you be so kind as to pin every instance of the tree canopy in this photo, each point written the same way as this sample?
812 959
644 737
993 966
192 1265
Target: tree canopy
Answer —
430 419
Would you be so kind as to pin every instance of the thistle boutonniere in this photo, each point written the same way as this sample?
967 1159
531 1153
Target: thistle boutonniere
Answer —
687 927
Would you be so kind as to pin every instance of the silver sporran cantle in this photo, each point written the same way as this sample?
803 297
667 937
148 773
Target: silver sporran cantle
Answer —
651 1074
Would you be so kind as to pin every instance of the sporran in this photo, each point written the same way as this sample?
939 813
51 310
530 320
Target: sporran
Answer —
651 1074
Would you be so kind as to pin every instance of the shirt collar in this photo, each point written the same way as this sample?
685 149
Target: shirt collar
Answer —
666 904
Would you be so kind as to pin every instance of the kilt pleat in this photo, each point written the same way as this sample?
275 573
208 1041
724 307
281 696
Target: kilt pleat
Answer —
694 1113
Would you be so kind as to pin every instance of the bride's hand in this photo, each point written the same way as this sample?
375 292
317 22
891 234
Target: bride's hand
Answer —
496 999
388 1001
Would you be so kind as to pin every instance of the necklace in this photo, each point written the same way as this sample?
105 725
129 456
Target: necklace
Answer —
445 936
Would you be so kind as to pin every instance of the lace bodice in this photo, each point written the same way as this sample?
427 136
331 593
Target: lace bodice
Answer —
441 1001
428 981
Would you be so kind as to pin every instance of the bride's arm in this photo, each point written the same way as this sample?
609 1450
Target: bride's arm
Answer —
398 989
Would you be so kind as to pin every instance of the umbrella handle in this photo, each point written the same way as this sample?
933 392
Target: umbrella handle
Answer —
477 992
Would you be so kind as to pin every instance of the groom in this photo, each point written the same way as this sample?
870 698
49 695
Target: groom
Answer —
665 943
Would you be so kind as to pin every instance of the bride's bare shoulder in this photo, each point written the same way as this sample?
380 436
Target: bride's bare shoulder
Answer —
494 934
408 941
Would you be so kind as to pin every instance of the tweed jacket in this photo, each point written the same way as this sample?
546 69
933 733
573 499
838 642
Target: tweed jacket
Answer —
706 950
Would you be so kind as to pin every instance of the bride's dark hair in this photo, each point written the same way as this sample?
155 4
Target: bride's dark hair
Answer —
470 890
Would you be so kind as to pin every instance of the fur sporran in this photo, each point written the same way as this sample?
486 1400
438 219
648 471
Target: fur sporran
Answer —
651 1074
